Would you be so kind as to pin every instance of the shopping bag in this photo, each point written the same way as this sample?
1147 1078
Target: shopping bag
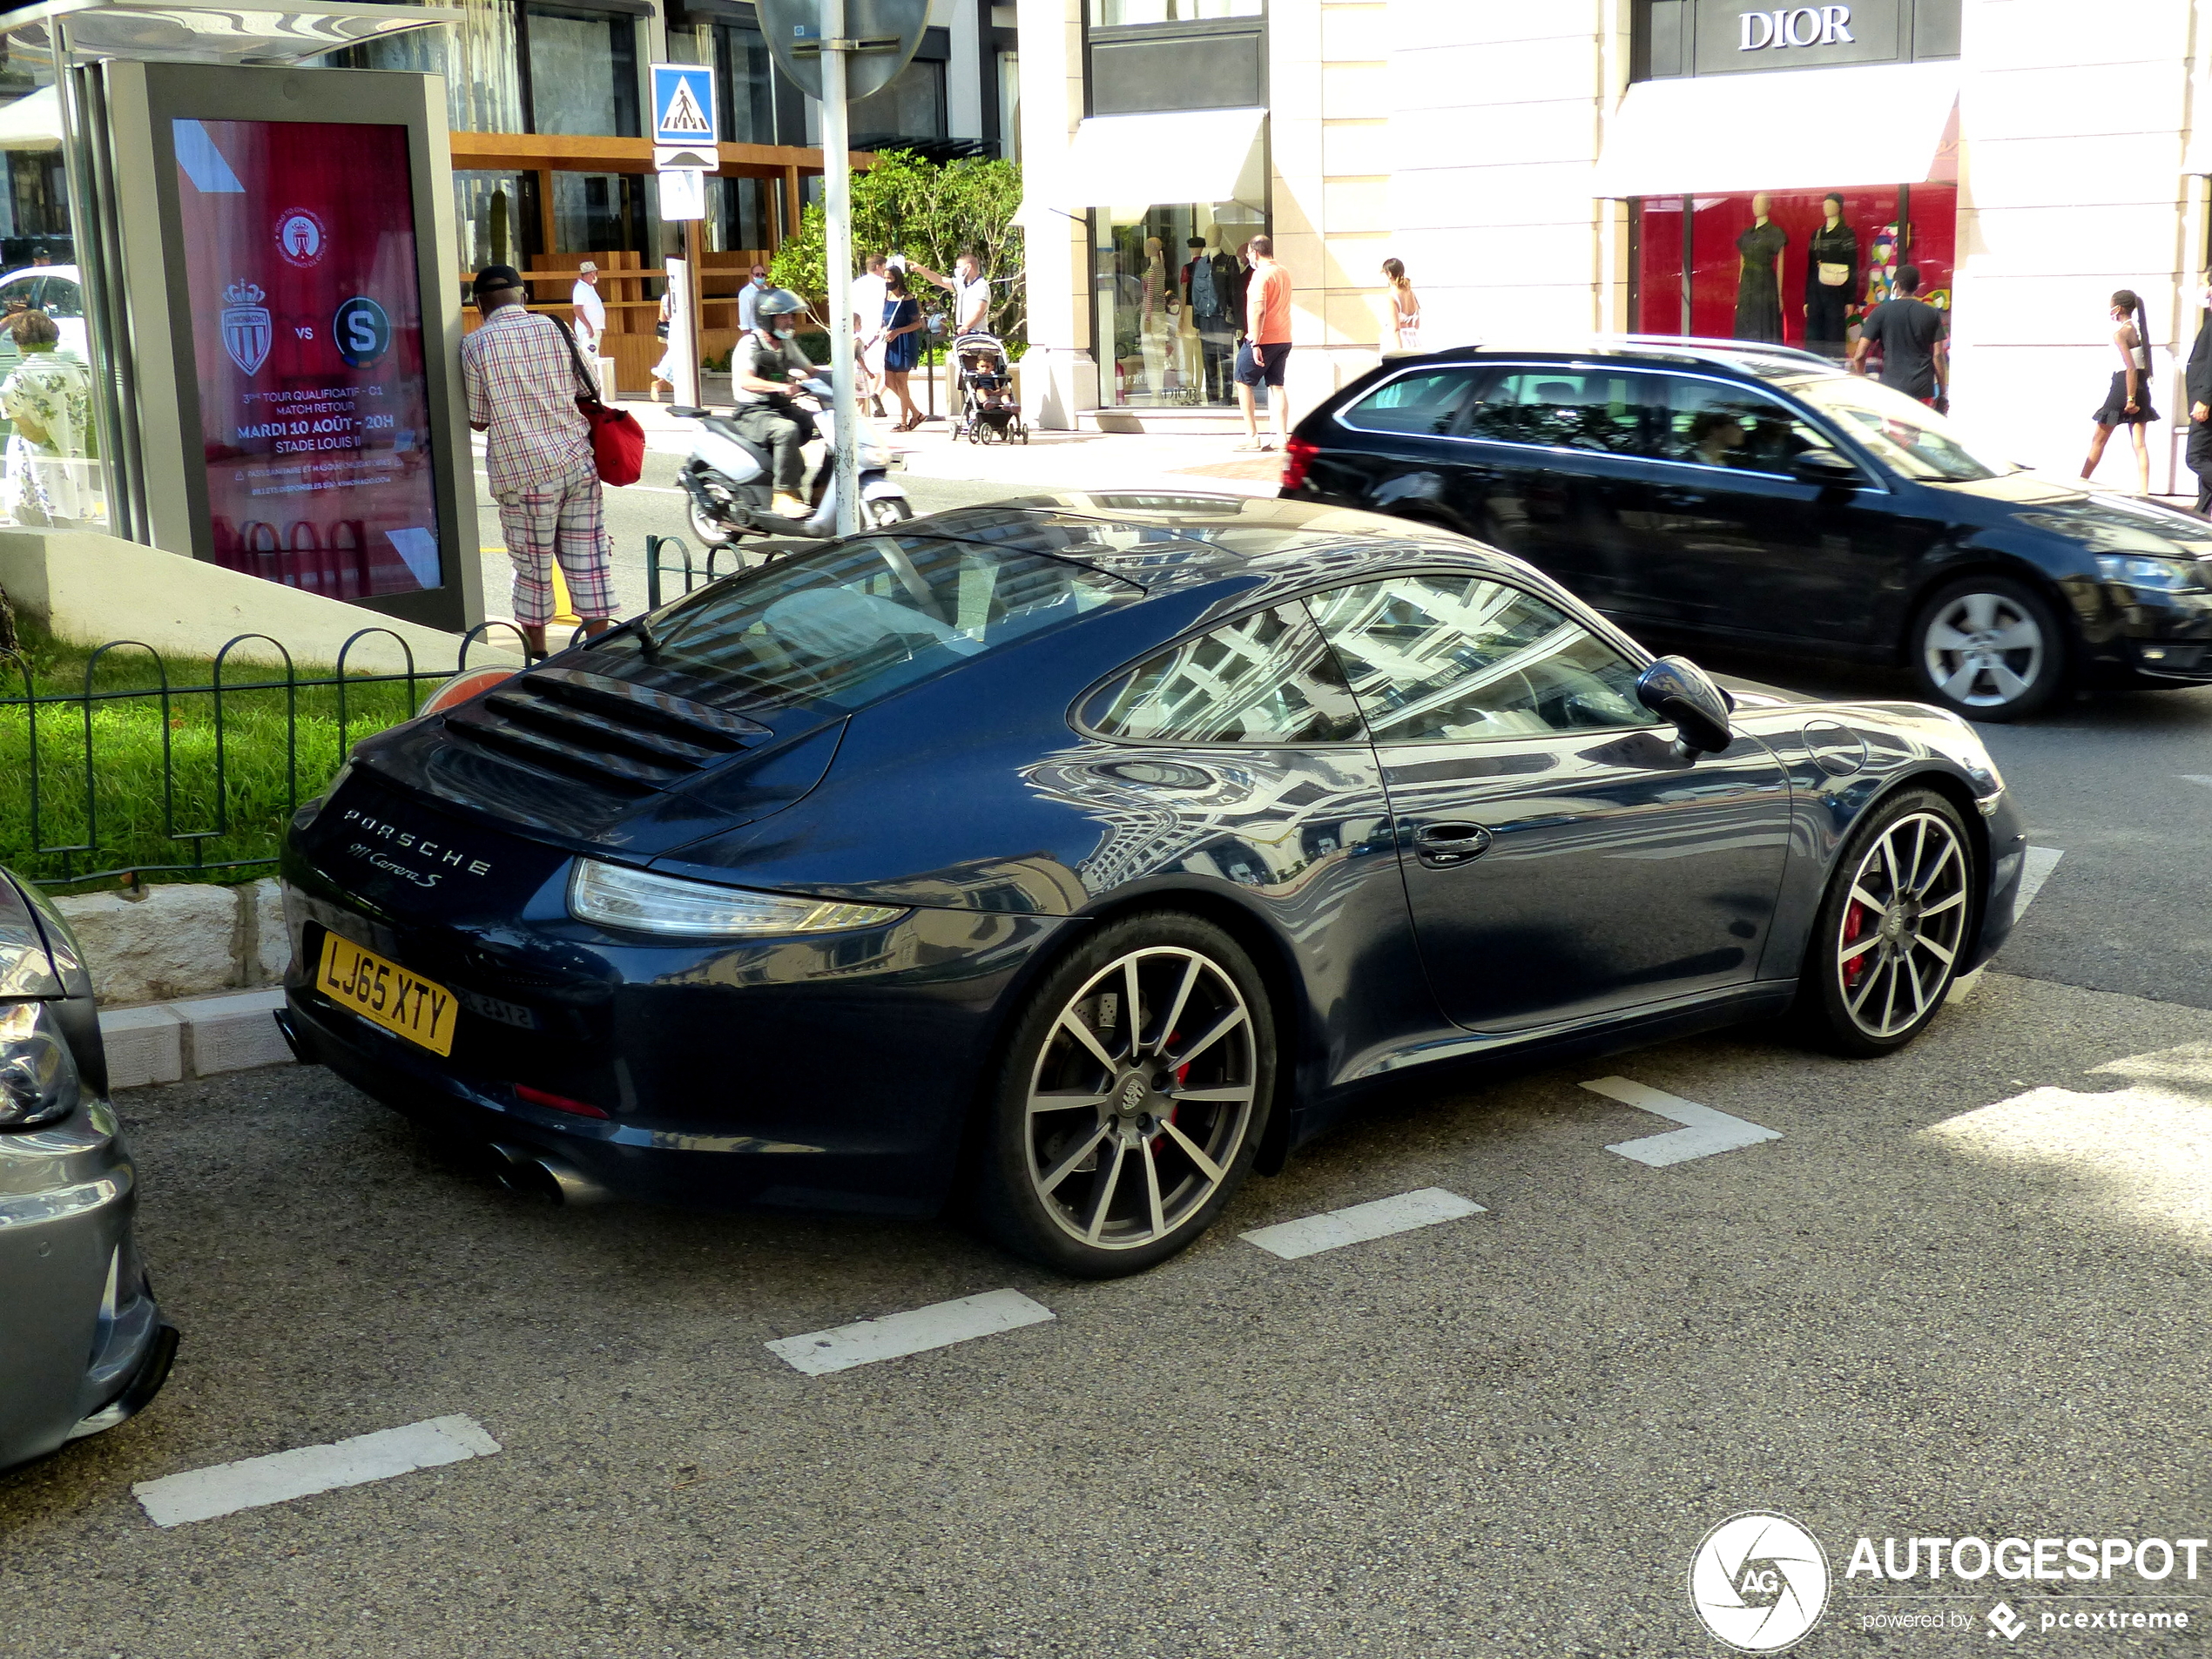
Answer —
617 442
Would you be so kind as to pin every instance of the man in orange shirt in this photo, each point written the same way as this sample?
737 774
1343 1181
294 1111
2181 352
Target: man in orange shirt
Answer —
1266 349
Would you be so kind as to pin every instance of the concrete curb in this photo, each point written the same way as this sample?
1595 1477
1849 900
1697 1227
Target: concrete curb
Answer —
197 1037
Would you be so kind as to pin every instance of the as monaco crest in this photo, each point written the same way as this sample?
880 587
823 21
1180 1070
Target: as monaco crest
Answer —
246 334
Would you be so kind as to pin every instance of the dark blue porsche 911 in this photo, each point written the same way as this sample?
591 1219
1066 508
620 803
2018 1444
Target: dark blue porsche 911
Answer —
1073 856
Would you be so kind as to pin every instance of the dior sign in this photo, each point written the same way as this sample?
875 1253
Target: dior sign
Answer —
1795 26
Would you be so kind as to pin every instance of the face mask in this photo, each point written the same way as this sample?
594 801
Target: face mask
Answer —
787 333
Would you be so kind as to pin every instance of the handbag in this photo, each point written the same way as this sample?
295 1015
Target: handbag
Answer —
617 442
1834 276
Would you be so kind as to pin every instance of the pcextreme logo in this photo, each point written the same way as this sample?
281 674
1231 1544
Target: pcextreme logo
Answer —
1759 1581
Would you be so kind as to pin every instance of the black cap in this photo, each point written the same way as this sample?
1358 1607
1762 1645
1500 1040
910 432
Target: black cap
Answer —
496 276
1196 241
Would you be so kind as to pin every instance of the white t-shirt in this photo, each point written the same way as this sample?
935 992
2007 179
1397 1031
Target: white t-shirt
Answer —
591 320
867 303
971 300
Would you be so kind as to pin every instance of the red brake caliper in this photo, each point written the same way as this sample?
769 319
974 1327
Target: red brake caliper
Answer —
1181 1076
1854 925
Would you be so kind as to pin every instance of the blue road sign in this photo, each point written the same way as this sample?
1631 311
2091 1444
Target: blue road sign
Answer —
684 104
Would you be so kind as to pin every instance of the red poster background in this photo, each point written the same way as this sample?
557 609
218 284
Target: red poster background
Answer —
320 469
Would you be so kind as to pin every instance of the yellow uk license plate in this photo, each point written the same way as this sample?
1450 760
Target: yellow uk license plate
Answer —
386 993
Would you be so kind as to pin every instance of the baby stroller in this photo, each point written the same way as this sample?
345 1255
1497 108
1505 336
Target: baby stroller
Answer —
988 410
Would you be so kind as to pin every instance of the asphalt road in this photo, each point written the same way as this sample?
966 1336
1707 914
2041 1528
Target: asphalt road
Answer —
1963 1293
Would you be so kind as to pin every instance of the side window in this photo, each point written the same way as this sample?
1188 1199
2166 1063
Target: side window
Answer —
61 298
1605 410
1265 677
1426 403
1712 424
1440 659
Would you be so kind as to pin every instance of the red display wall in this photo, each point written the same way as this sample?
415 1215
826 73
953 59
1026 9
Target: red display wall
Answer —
1930 238
307 334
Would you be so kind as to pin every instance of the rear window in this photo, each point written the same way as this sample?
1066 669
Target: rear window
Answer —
846 625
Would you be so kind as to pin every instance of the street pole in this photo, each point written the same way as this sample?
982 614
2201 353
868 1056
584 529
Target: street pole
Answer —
837 205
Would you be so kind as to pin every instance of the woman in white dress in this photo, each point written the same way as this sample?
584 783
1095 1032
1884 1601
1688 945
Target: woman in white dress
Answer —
1405 309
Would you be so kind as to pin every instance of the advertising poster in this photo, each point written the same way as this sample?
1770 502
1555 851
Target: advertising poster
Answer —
307 332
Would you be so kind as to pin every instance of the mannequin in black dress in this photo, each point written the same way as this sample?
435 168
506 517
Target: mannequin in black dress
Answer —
1831 279
1758 285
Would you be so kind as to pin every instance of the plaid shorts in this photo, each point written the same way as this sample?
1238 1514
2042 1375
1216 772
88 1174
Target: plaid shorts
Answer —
566 520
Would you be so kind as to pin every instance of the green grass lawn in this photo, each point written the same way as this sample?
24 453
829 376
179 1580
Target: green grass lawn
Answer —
277 751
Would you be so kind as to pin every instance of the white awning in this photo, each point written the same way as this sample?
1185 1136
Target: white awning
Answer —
33 121
1792 130
1138 160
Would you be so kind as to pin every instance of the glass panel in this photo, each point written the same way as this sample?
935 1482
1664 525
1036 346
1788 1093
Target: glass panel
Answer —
1572 409
846 624
1903 431
495 214
1437 658
739 215
596 213
747 87
483 89
1169 312
1107 14
1717 425
584 74
314 411
913 106
1263 679
1423 404
1659 227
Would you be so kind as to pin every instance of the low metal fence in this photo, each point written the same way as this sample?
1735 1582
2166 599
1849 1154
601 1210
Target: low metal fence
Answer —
692 571
78 775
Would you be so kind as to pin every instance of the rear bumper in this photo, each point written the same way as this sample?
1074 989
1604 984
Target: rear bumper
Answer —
85 1346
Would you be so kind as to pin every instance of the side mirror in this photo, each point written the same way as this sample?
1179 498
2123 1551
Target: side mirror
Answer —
1677 689
1826 468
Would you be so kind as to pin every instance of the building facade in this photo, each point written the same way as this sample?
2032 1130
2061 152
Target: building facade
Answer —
1593 166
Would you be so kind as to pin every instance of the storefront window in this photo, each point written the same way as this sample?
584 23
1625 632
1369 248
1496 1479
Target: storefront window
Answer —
1771 266
748 85
594 212
495 214
740 214
1169 287
1111 14
584 74
913 106
483 89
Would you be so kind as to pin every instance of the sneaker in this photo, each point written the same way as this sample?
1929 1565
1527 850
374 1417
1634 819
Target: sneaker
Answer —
789 507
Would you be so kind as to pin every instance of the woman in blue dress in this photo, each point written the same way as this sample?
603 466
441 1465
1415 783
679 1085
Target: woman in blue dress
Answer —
901 345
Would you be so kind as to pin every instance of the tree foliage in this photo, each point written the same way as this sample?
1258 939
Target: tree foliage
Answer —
931 214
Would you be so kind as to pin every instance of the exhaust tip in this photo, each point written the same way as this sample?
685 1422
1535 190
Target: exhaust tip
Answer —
532 1174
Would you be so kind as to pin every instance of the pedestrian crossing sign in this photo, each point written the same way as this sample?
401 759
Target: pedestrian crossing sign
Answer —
684 104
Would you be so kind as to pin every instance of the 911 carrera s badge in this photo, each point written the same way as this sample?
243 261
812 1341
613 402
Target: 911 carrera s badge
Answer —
441 858
246 334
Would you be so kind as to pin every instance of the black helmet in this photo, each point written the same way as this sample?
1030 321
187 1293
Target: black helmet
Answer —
777 302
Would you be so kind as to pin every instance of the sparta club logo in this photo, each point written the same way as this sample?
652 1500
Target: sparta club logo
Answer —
300 237
361 331
1759 1581
246 334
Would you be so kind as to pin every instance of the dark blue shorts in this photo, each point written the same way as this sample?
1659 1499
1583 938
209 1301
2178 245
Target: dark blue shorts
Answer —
1256 363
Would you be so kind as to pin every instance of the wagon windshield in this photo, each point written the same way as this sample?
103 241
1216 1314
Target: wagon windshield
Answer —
1904 433
846 624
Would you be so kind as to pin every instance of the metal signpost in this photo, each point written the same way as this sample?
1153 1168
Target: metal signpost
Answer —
683 152
833 51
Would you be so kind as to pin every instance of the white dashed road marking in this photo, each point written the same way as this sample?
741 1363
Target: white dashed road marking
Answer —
2195 777
894 1335
2035 869
1362 1222
203 1494
1705 1131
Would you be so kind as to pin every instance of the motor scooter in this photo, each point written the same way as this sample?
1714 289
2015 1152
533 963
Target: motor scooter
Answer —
726 479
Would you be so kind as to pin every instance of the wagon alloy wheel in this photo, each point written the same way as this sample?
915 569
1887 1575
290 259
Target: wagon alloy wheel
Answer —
1141 1099
1132 1098
1894 927
1989 648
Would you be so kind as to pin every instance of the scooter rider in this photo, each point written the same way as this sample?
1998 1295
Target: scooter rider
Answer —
766 364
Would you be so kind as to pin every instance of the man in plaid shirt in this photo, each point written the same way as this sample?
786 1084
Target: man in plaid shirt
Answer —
522 388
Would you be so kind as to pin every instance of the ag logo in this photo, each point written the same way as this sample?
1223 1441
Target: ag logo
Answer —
246 331
300 237
362 331
1759 1581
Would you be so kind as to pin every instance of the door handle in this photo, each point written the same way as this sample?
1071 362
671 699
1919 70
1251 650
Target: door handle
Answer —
1440 846
1680 497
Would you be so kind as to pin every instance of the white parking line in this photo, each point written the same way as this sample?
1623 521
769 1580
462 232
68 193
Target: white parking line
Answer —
895 1335
203 1494
1362 1222
1706 1131
2036 866
2194 777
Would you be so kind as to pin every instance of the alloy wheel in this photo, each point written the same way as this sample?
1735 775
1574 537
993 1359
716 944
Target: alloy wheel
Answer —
1141 1098
1904 920
1984 650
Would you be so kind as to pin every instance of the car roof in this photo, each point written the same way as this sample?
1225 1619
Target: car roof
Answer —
1160 541
1754 360
69 270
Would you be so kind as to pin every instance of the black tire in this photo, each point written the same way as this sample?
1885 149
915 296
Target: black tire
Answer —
711 532
1989 648
1886 940
1146 1154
